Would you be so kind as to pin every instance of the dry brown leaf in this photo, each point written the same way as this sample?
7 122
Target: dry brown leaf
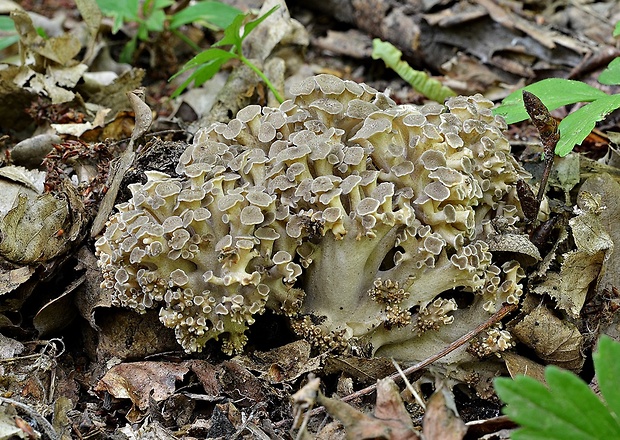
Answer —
141 381
282 363
11 279
391 420
366 371
521 365
554 340
59 312
570 287
441 420
608 189
61 49
40 228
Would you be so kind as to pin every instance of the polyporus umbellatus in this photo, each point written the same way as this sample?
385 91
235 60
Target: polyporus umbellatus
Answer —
350 214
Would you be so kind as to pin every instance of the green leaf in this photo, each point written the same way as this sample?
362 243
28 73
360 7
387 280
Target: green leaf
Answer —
127 52
219 14
611 74
206 57
161 4
607 367
578 125
8 41
121 10
249 27
567 410
553 92
429 87
200 75
232 34
8 33
617 30
155 21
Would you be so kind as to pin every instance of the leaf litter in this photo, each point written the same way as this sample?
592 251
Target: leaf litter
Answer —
124 374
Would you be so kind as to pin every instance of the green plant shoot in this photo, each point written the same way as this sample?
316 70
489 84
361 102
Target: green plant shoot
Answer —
150 16
207 63
391 56
566 409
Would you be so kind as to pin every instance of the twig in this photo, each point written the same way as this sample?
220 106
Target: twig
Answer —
494 319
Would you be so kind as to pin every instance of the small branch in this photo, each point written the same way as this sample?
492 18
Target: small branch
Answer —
396 377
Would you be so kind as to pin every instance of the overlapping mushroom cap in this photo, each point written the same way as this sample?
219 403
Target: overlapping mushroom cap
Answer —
345 211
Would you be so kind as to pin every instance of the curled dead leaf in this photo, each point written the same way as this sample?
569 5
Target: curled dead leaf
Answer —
140 382
41 227
554 340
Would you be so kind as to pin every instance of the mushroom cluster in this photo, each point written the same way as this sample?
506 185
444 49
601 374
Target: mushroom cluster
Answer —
359 219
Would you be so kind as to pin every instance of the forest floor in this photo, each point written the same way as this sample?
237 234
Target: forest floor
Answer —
72 116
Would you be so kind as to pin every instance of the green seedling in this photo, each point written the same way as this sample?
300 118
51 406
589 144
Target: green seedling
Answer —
420 81
557 92
150 16
207 63
566 408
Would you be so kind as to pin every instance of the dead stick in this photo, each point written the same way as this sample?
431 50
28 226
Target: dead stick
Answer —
494 319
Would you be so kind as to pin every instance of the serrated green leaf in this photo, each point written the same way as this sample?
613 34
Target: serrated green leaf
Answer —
249 27
578 125
579 404
553 92
219 14
611 74
544 413
607 367
391 56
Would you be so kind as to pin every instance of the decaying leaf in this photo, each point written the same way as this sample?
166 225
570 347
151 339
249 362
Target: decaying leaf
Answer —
441 420
554 340
521 365
59 312
569 288
40 228
11 279
594 245
608 189
61 49
366 371
141 381
390 421
282 363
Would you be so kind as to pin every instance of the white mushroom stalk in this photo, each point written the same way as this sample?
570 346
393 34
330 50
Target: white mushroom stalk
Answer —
346 212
